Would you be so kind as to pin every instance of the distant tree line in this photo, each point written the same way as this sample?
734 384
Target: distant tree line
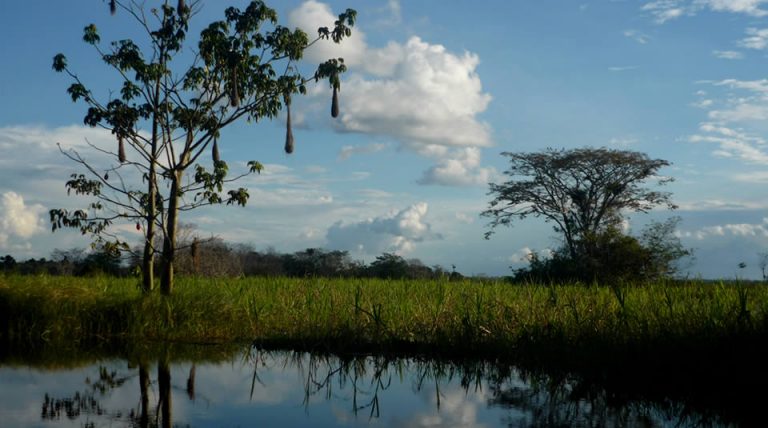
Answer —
216 258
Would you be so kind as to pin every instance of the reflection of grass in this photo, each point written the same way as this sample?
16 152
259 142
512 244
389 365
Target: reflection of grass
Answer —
459 318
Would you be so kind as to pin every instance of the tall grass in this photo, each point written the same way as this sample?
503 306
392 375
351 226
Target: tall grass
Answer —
488 319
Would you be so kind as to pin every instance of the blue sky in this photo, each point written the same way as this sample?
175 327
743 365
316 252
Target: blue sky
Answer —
435 91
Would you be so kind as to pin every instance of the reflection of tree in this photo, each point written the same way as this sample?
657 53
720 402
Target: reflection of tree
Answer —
559 402
89 402
164 385
534 399
531 398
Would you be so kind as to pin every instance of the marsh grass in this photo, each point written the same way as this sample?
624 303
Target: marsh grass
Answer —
484 319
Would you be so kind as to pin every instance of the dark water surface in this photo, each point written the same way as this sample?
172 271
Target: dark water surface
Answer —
290 389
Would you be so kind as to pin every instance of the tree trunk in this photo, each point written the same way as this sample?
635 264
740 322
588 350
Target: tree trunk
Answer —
169 242
148 262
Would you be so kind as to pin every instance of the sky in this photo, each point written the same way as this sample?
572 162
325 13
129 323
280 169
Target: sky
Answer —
435 91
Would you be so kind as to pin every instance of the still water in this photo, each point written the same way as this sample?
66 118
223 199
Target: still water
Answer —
290 389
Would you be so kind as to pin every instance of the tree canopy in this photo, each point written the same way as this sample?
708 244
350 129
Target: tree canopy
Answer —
583 191
169 112
586 193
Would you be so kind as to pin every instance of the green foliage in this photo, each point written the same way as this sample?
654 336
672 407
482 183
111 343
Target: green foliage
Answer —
462 317
170 112
582 191
586 193
611 257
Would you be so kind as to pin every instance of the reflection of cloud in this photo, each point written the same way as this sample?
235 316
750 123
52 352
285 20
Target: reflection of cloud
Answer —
457 409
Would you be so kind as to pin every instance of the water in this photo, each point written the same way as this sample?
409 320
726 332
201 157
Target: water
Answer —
287 389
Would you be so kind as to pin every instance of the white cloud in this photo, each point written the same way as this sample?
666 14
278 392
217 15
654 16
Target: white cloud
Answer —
733 143
667 10
347 151
756 39
637 36
728 54
742 230
664 10
461 168
432 98
525 254
721 205
752 177
757 86
417 93
397 232
312 15
749 7
18 218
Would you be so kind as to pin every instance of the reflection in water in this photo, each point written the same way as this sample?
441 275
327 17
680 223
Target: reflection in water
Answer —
300 389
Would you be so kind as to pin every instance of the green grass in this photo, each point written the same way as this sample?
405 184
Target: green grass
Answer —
490 319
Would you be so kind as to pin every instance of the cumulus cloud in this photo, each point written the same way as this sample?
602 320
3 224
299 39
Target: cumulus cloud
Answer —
396 232
18 218
417 93
461 168
431 98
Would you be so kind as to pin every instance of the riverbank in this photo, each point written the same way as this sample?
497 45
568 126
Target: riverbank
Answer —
462 318
701 343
